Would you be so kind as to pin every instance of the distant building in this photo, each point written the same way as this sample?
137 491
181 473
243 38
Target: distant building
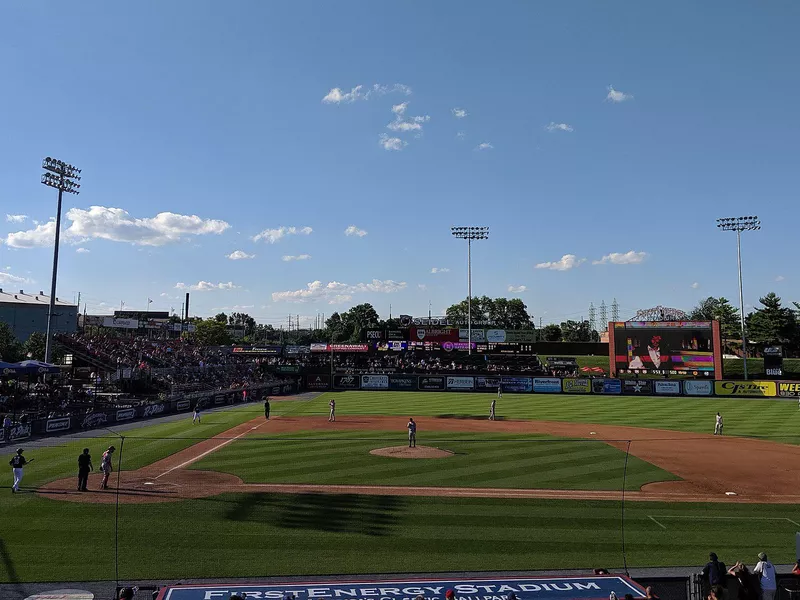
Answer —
27 313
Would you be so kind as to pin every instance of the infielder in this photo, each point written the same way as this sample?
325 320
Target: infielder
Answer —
412 433
17 463
718 425
196 414
491 409
105 467
332 416
499 390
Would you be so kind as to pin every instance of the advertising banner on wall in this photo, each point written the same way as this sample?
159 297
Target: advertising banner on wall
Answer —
374 382
54 425
696 387
349 347
318 382
478 335
296 350
548 385
460 383
318 347
762 389
668 388
183 405
125 414
640 387
579 385
258 350
120 323
434 334
398 335
517 384
374 335
431 383
789 389
94 420
606 386
20 431
487 383
402 382
346 382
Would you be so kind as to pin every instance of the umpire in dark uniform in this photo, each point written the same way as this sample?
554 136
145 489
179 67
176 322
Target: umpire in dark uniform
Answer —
266 408
84 467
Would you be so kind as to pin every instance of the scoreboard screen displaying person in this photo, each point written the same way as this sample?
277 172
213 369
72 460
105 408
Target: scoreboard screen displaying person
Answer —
666 348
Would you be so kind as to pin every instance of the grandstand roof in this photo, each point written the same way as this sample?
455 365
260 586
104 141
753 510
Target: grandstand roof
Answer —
20 297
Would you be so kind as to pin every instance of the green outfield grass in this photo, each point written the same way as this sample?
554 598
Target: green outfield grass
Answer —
501 461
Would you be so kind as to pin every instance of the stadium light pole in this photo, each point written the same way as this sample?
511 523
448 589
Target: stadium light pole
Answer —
469 234
740 224
64 177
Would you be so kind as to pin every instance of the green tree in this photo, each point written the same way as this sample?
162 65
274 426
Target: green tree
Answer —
211 332
242 320
719 309
10 348
503 312
481 309
551 333
221 318
34 346
336 329
359 318
578 331
773 323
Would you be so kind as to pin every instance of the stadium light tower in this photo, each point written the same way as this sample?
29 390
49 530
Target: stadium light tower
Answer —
469 234
740 224
64 178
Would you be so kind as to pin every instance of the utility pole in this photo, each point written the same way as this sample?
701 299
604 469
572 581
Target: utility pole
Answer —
469 234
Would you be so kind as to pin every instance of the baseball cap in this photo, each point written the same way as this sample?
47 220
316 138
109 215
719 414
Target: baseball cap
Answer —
19 450
762 556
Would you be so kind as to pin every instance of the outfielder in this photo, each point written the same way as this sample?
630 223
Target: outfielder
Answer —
332 416
718 425
499 390
17 463
196 414
412 433
105 467
491 409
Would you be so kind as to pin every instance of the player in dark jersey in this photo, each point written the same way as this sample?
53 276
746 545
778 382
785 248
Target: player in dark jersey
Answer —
84 467
17 463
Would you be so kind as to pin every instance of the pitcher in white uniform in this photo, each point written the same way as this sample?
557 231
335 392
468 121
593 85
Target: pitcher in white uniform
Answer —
718 425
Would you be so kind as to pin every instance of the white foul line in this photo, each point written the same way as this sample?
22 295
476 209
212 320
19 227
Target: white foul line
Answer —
656 522
206 453
724 518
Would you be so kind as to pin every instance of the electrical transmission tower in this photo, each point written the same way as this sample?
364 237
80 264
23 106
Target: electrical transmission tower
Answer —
603 315
615 311
592 317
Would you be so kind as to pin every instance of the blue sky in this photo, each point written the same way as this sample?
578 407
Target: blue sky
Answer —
602 132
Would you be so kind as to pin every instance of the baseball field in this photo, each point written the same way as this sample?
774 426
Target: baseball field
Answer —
539 488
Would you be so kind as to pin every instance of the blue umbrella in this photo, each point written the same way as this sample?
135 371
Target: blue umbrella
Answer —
37 367
7 369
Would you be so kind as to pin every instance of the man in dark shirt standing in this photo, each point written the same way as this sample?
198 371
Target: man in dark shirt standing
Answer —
84 467
266 408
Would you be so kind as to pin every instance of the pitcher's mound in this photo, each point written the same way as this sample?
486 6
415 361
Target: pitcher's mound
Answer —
406 452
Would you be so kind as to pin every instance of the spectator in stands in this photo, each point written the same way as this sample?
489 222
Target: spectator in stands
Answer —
650 594
796 568
765 571
717 593
748 584
714 571
6 427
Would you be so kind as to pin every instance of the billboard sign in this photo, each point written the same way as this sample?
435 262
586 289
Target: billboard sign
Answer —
125 414
460 383
789 389
431 383
255 350
549 385
183 405
318 382
669 388
763 389
450 346
349 347
374 335
698 387
478 335
54 425
20 431
402 382
398 335
517 384
487 383
119 323
318 347
151 410
94 420
346 382
434 334
606 386
639 387
374 382
579 385
296 350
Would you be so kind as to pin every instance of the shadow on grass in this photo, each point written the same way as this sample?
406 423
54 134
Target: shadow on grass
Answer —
338 513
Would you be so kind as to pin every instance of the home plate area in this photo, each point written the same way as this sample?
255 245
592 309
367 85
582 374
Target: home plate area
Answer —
543 588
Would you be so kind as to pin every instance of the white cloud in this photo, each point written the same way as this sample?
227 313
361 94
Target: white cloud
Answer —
337 96
239 255
117 225
298 257
352 230
400 122
622 258
517 289
275 235
780 278
565 263
400 109
559 127
484 146
336 292
695 285
459 113
7 278
391 143
16 218
82 251
422 287
617 96
205 286
404 126
440 270
461 135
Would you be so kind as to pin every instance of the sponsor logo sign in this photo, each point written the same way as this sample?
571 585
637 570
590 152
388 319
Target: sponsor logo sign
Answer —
487 383
317 347
219 400
669 388
695 387
402 382
478 335
407 321
789 389
606 386
120 323
94 420
431 383
287 369
642 387
254 350
276 390
521 336
517 384
19 431
460 383
550 385
318 382
450 346
746 388
435 334
295 350
542 588
54 425
346 382
152 410
497 336
580 385
374 335
125 414
397 334
349 347
183 405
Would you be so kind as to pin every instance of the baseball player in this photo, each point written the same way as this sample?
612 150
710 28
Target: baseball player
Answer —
17 463
105 467
491 409
196 414
718 425
412 433
499 390
332 416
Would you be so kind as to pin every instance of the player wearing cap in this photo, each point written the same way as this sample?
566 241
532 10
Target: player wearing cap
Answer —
412 433
106 467
332 416
196 414
17 463
491 409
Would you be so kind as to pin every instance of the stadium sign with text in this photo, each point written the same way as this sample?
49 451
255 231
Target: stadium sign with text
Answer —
580 385
669 388
789 389
374 382
763 389
460 383
693 387
517 384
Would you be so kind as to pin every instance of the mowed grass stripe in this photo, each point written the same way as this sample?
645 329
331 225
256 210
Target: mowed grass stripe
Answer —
510 461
